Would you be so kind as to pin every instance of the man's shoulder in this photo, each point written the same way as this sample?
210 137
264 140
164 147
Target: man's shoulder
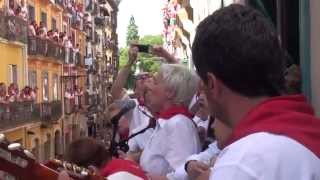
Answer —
262 143
265 152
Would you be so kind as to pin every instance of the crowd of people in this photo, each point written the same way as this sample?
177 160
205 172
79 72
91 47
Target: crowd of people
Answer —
13 94
61 38
74 96
40 30
261 131
19 9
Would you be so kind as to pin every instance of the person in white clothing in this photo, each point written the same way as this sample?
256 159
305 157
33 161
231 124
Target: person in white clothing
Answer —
275 136
139 116
175 136
198 164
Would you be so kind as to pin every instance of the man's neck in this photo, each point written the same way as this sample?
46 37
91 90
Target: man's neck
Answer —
238 108
166 106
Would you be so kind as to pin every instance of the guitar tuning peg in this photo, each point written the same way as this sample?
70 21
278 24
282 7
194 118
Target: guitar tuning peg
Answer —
29 154
14 146
84 173
2 137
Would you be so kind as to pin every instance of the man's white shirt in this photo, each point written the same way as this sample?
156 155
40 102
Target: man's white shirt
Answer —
266 156
138 120
206 157
171 143
201 123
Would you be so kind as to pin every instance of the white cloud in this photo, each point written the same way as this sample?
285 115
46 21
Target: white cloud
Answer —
147 14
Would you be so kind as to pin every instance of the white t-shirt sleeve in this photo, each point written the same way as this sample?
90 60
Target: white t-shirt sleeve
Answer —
207 155
178 174
232 172
133 145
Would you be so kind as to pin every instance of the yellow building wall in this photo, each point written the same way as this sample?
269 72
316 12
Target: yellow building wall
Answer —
15 135
2 3
52 69
11 54
45 6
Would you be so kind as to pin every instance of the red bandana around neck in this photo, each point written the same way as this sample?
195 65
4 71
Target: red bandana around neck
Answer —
174 110
289 116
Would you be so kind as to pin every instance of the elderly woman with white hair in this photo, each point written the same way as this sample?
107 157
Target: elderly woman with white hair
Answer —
175 137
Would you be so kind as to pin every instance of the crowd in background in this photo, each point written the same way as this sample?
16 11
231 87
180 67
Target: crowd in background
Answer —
13 94
74 95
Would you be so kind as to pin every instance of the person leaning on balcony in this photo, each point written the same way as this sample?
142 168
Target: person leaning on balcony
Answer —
31 29
10 10
24 10
27 94
34 93
3 92
55 35
42 30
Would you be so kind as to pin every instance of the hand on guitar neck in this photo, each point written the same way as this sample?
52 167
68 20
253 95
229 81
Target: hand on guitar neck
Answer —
19 163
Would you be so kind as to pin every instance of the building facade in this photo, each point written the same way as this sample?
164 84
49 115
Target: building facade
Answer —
102 59
58 58
181 18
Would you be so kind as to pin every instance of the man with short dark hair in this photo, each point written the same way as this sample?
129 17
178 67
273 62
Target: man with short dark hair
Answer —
238 57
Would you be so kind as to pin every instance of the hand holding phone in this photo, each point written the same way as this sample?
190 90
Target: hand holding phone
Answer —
143 47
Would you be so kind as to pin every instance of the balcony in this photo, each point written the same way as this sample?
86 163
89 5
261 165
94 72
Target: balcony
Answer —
73 57
102 1
71 105
50 112
92 7
20 113
77 23
13 28
59 2
100 21
45 48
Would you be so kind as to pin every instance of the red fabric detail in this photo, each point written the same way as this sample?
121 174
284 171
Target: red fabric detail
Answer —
289 116
141 101
118 165
175 110
124 135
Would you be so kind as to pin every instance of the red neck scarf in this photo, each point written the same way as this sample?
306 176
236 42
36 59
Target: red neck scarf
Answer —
118 165
141 101
174 110
289 116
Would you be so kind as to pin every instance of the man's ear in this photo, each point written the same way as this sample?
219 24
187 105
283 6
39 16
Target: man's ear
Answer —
213 84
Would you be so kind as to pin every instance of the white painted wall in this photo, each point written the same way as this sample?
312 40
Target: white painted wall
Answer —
315 53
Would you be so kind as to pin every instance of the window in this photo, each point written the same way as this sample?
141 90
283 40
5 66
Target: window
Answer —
44 18
13 73
53 24
73 38
45 86
55 87
32 79
31 13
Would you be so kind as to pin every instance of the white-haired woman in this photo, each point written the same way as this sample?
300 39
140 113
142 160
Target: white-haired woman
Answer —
175 137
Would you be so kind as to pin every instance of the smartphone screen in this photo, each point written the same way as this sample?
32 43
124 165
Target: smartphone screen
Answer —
143 48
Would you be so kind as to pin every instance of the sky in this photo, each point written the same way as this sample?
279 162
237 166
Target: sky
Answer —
147 14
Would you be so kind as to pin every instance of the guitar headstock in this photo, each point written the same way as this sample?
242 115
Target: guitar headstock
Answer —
19 163
14 160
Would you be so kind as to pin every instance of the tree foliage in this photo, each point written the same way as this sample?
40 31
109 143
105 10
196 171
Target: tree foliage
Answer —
132 31
148 63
